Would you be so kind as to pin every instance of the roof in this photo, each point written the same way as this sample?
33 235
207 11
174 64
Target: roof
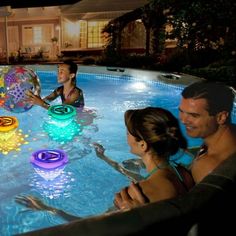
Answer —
81 9
35 3
84 6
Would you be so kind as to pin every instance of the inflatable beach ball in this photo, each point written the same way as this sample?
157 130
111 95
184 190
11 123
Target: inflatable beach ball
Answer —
17 81
3 71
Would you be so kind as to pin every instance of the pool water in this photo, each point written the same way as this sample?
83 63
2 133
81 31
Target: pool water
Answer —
87 184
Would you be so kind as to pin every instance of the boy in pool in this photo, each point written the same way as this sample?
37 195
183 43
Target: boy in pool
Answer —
70 94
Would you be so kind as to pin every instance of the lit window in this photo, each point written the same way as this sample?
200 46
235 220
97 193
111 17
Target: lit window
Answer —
37 34
95 36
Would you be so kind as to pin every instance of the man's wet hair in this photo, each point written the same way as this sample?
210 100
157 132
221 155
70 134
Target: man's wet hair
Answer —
219 96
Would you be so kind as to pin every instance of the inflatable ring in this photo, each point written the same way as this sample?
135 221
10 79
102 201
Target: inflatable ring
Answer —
62 112
49 159
8 123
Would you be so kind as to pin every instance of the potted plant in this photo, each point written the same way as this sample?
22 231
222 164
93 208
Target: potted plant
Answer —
54 39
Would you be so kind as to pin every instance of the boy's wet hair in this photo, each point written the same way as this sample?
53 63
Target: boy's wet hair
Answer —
219 96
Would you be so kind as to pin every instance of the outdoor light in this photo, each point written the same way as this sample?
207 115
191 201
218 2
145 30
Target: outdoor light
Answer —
62 125
49 163
8 125
139 86
62 114
10 137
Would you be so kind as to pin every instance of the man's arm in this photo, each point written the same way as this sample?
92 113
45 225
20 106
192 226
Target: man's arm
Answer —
124 201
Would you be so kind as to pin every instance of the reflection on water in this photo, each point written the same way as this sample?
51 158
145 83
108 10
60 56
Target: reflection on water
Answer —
58 187
13 143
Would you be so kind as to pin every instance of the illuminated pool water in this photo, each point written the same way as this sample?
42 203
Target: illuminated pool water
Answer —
87 185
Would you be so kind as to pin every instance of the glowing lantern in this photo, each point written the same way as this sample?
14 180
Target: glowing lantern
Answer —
10 137
61 125
49 163
8 125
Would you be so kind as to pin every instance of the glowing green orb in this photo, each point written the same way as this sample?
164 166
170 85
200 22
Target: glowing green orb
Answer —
62 125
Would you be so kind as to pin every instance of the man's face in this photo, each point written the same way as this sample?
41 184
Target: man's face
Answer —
196 119
64 74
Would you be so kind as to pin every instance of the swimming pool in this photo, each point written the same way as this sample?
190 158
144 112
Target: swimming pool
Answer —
87 184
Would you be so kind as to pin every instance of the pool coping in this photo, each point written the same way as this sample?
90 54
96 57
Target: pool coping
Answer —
174 78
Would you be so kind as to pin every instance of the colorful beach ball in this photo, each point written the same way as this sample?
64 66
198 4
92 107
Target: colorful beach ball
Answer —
17 81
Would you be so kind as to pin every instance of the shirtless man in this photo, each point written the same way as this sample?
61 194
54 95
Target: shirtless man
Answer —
205 110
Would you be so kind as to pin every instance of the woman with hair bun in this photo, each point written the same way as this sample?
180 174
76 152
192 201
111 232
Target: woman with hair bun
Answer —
154 135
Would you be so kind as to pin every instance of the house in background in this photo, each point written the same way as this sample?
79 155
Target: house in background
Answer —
49 31
82 24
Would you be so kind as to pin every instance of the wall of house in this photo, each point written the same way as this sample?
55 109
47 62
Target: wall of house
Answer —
2 41
77 34
19 38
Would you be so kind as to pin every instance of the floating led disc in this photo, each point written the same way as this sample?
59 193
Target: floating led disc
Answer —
49 159
8 123
62 112
61 125
49 164
10 138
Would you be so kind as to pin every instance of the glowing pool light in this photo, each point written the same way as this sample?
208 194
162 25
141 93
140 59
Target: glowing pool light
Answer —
139 86
49 163
8 125
10 137
62 112
62 125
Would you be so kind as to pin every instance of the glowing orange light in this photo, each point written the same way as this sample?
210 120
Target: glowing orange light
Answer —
10 138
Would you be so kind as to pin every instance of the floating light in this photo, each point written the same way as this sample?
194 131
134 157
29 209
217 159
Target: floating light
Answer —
62 113
8 125
61 125
10 137
49 163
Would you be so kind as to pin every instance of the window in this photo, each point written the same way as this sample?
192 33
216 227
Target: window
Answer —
83 34
37 34
13 38
95 36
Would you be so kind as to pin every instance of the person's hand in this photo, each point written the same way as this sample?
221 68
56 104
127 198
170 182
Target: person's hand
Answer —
33 203
33 99
99 149
36 204
129 197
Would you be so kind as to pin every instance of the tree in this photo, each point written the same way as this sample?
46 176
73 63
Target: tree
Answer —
203 24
